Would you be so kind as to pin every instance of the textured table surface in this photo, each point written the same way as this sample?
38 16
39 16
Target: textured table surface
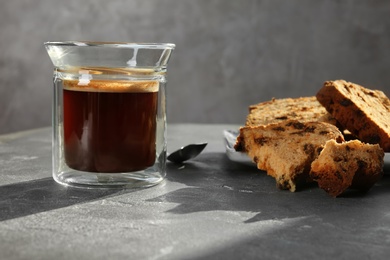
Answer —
209 207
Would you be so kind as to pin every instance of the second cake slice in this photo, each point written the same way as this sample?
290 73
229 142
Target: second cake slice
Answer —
286 150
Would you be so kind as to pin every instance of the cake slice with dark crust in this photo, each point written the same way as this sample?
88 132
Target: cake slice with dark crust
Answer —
286 150
350 164
364 112
304 109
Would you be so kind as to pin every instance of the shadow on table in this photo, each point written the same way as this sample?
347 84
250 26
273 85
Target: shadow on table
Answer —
217 184
25 198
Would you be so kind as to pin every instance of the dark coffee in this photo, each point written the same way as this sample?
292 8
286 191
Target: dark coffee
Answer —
110 126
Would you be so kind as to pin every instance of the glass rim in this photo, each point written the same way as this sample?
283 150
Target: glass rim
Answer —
125 45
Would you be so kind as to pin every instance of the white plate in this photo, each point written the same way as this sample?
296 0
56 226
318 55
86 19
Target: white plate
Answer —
230 139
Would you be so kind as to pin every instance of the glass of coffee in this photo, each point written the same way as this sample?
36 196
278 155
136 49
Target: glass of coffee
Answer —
109 113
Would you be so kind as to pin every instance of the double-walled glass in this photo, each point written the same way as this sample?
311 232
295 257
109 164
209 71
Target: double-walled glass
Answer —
109 113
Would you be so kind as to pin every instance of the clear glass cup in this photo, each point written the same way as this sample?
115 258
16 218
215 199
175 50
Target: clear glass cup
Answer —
109 113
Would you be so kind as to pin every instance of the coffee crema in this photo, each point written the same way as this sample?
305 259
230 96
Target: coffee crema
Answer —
109 126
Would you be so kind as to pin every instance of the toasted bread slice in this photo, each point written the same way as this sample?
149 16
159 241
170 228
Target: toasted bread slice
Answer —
286 150
364 112
303 109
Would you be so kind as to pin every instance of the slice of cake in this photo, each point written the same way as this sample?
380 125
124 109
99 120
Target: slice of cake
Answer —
364 112
286 150
351 164
304 109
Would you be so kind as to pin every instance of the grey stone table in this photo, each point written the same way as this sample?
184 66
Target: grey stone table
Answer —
208 208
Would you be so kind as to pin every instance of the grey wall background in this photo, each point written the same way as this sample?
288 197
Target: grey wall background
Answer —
229 54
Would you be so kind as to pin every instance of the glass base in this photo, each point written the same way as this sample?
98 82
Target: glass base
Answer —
80 179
